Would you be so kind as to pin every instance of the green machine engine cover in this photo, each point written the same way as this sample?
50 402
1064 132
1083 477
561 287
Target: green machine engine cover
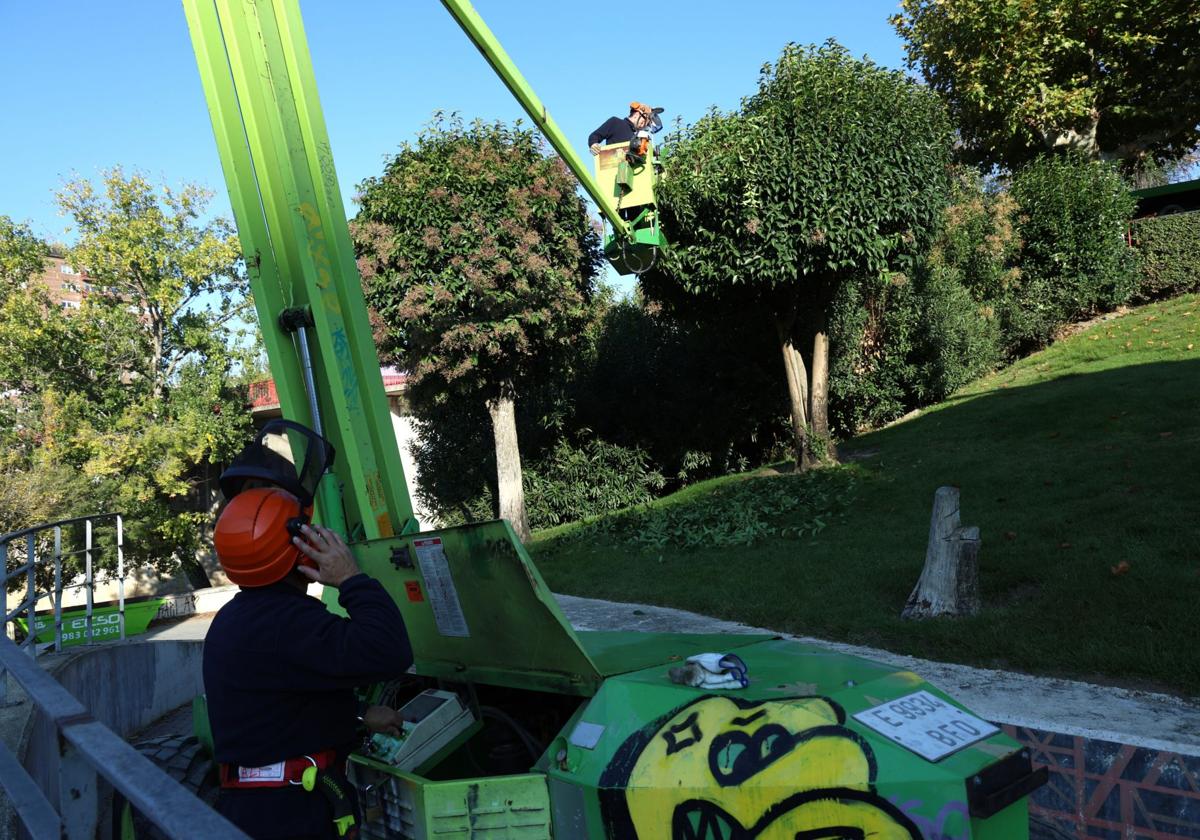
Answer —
645 757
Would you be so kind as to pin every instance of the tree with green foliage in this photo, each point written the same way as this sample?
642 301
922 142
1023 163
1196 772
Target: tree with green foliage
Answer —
22 255
479 262
1118 79
122 404
834 172
160 264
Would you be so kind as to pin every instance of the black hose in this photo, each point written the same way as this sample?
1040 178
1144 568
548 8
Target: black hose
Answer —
529 742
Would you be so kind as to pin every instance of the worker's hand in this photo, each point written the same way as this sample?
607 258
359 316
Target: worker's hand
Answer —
334 561
595 148
383 719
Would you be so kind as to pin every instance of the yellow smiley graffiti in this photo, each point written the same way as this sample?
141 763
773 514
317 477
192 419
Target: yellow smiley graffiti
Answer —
721 768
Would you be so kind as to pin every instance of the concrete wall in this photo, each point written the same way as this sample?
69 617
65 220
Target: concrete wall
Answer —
406 436
125 686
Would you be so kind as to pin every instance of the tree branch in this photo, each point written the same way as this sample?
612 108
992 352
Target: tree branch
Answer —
1146 140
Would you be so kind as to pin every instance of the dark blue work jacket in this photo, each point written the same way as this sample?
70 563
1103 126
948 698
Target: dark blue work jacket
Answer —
612 130
279 672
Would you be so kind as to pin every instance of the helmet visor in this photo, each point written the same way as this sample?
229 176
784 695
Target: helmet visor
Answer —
285 454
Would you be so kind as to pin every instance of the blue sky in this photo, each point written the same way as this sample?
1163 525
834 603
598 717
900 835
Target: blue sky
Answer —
92 85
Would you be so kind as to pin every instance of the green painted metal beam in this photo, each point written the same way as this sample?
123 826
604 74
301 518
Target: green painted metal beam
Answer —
262 98
483 39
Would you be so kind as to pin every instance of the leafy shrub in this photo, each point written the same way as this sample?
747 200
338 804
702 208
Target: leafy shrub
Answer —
958 338
595 477
569 483
456 462
1074 259
871 372
977 242
1168 250
700 399
914 341
738 513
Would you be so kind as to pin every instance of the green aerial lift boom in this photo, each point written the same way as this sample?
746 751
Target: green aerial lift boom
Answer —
517 726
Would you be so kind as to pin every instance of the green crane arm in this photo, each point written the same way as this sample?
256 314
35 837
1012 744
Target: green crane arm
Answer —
262 99
483 39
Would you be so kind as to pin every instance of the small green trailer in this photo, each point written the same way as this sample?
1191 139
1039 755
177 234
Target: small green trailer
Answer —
105 623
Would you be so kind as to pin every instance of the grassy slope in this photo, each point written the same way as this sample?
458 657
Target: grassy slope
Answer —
1070 461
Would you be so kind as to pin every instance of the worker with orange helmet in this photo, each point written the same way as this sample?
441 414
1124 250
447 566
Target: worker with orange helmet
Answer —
280 669
621 130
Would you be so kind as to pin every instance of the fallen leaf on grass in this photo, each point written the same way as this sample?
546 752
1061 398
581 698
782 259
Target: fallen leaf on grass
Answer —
1120 569
1165 434
1010 535
1190 346
1064 545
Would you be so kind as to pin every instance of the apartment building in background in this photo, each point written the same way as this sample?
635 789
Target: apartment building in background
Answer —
66 283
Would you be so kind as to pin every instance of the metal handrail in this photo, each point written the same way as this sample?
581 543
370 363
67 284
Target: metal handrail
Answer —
88 747
28 604
33 529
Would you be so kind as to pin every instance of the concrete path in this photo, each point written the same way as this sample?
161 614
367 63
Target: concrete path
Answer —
1140 718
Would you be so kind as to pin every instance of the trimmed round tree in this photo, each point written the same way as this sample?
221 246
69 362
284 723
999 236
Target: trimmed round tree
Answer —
479 264
834 172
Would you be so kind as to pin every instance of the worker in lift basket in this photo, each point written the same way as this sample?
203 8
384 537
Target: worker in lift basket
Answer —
279 668
617 130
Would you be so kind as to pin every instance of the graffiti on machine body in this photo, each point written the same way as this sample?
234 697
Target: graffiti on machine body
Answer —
722 768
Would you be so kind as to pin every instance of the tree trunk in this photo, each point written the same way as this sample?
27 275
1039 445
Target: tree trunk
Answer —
193 570
1085 139
949 583
820 391
797 379
158 332
511 491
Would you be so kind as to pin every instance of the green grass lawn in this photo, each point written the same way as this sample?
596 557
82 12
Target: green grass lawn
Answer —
1071 462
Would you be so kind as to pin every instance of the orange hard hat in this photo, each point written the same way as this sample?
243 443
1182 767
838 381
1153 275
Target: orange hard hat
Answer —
645 110
253 536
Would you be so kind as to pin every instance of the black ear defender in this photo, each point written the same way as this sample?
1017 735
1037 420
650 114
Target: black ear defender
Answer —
295 524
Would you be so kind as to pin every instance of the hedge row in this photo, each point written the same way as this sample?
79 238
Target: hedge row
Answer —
1168 248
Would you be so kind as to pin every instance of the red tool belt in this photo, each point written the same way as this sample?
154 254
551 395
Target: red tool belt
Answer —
279 774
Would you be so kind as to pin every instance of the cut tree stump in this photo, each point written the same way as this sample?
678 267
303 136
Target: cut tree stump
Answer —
949 583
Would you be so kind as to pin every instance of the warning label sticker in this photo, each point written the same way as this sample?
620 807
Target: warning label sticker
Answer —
439 588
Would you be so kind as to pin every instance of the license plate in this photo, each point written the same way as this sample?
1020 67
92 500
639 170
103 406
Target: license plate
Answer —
925 724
